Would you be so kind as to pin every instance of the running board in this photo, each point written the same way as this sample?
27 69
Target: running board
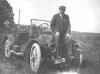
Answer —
18 53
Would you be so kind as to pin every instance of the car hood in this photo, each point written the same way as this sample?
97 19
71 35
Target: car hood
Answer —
44 39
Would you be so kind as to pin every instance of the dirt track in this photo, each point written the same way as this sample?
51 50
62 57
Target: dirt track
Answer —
91 63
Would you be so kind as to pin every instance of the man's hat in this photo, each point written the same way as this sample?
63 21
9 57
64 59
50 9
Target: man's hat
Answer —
62 7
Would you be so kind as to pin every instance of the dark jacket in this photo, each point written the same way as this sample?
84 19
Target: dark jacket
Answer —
60 24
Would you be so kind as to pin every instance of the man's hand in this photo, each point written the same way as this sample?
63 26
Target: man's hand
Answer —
67 38
57 34
68 35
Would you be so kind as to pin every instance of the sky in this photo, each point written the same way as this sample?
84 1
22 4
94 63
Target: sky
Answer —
84 14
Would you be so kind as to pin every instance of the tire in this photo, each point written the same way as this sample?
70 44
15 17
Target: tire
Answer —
81 59
7 48
78 62
35 57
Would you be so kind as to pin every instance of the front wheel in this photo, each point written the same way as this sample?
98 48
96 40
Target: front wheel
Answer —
78 61
7 48
81 59
35 57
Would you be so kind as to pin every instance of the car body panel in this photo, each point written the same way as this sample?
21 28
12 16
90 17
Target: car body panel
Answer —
44 39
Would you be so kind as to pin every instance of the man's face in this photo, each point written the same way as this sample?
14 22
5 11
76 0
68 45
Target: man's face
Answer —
62 11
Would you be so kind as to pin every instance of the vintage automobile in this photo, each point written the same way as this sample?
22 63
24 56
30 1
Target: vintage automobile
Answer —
36 44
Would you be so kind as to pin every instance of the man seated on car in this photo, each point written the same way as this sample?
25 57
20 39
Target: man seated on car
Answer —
60 25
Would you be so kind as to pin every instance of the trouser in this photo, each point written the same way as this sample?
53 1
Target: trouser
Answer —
61 47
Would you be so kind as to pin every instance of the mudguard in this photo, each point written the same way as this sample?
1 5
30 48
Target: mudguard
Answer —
11 38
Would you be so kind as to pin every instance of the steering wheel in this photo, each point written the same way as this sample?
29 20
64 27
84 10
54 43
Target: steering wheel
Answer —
44 26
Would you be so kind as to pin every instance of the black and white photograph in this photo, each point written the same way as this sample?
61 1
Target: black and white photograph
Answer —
49 36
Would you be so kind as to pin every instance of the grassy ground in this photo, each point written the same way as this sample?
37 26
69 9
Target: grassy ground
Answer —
91 56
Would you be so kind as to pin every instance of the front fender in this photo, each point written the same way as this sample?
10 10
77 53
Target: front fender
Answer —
30 42
10 38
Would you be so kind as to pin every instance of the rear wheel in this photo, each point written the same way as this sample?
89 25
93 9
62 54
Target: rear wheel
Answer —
35 57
